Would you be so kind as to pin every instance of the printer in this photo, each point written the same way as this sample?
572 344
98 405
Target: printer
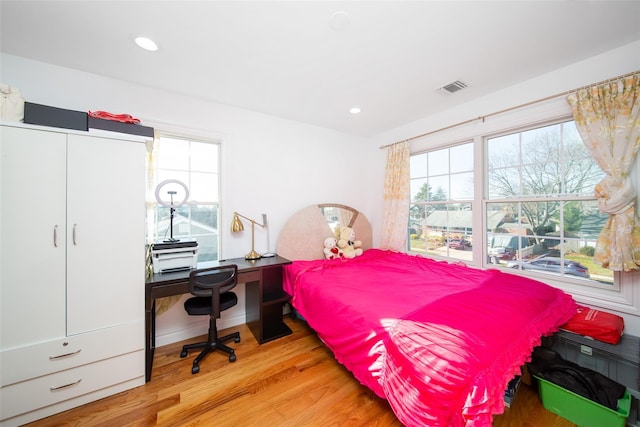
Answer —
174 255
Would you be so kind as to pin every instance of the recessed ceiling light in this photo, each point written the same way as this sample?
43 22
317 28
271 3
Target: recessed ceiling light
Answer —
146 43
339 20
355 110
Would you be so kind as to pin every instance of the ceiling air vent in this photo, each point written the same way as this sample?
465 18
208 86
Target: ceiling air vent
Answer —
454 87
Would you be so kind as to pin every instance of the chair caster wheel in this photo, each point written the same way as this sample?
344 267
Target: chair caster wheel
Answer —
195 369
236 339
232 358
183 354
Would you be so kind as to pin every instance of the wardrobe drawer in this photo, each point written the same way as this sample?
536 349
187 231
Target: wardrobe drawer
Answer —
35 360
39 392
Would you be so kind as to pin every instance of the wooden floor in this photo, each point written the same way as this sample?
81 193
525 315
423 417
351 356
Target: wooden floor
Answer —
293 381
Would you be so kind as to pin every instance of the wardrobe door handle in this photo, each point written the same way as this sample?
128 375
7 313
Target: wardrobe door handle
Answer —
75 243
65 355
52 388
55 236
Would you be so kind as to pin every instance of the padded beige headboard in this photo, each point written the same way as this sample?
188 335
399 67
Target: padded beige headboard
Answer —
303 235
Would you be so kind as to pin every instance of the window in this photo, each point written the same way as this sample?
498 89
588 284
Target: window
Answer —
538 209
440 214
196 164
541 214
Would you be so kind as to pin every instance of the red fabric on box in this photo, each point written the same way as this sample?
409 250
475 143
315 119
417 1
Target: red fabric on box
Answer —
596 324
123 118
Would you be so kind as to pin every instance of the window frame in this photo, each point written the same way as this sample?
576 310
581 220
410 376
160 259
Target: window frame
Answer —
448 202
564 197
619 297
190 204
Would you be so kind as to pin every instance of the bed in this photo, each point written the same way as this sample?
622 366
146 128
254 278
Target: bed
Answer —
439 341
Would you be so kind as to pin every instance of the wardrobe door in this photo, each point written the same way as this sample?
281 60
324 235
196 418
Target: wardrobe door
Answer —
105 249
32 231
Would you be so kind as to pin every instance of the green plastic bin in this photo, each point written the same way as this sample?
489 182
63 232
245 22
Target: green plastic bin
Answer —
579 410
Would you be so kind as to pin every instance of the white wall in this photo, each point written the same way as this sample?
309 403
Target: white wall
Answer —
276 166
270 165
622 60
616 62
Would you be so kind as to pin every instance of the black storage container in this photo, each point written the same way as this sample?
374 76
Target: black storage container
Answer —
115 126
619 362
44 115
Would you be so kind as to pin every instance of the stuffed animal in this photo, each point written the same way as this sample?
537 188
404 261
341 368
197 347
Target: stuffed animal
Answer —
331 249
350 247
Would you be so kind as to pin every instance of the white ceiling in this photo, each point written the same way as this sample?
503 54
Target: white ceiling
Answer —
298 60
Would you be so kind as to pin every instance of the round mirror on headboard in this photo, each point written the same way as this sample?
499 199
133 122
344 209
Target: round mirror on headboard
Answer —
303 234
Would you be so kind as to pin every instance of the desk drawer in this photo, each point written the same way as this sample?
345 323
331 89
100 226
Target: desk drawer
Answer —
35 360
43 391
250 276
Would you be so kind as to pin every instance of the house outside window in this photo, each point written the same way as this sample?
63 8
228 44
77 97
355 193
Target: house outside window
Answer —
195 163
534 193
440 214
540 211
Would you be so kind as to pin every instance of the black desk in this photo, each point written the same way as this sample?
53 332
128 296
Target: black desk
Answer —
264 298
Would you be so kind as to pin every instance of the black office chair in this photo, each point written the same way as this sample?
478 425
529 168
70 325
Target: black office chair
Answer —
211 288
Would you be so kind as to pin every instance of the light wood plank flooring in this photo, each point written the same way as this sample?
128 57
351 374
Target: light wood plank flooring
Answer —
293 382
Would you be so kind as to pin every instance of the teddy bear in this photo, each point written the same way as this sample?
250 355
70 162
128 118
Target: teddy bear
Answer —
331 249
347 242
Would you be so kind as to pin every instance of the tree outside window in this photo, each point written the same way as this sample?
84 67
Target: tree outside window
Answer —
540 212
541 209
440 209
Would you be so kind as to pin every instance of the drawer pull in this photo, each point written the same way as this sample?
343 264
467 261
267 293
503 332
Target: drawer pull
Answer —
52 388
65 355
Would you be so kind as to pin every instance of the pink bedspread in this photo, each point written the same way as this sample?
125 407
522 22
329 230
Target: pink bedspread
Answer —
440 341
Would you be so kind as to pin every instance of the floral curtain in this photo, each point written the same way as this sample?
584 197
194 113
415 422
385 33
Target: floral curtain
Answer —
150 200
396 198
162 304
608 119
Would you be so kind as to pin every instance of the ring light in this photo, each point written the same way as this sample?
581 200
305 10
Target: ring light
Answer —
170 186
171 183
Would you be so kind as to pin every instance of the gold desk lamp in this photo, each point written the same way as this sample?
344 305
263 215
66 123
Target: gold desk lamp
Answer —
236 225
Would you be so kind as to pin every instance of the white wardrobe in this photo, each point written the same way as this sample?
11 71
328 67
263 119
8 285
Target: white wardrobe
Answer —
72 257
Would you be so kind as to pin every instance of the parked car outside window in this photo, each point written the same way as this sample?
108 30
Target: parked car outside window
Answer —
460 244
552 265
